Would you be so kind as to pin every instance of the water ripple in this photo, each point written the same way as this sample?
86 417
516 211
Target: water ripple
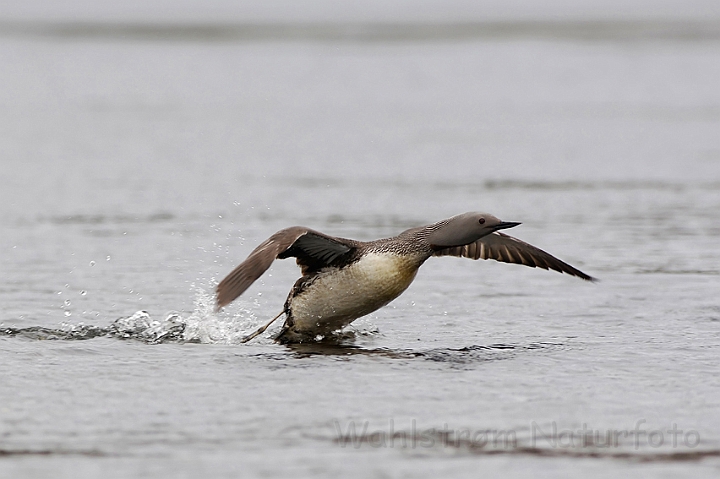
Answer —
587 30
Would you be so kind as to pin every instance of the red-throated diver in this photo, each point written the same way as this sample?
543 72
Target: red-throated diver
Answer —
344 279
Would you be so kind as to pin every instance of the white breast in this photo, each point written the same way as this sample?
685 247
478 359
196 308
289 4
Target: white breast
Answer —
337 297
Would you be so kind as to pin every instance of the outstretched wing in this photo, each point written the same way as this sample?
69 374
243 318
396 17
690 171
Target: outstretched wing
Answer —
506 249
313 250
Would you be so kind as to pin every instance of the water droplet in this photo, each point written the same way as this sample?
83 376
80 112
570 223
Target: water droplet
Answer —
92 263
107 258
67 302
68 313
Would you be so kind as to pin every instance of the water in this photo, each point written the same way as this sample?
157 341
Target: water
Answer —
138 171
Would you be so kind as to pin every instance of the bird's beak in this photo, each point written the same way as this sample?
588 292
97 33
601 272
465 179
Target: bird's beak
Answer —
505 224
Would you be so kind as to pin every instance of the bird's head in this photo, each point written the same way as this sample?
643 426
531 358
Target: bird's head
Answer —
464 229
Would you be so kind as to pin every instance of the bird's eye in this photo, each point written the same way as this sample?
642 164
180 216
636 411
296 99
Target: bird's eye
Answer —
481 220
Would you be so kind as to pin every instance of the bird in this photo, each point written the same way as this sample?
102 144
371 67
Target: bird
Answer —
345 279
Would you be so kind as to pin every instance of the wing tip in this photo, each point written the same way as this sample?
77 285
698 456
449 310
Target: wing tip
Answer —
224 294
219 304
584 276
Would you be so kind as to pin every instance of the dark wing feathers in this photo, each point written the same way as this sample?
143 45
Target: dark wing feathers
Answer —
312 249
317 247
506 249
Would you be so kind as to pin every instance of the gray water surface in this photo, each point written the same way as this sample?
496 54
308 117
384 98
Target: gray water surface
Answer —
136 172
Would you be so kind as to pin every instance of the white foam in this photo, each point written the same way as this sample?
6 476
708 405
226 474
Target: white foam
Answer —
204 325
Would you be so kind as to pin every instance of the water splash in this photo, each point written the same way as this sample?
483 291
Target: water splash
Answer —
142 327
202 325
